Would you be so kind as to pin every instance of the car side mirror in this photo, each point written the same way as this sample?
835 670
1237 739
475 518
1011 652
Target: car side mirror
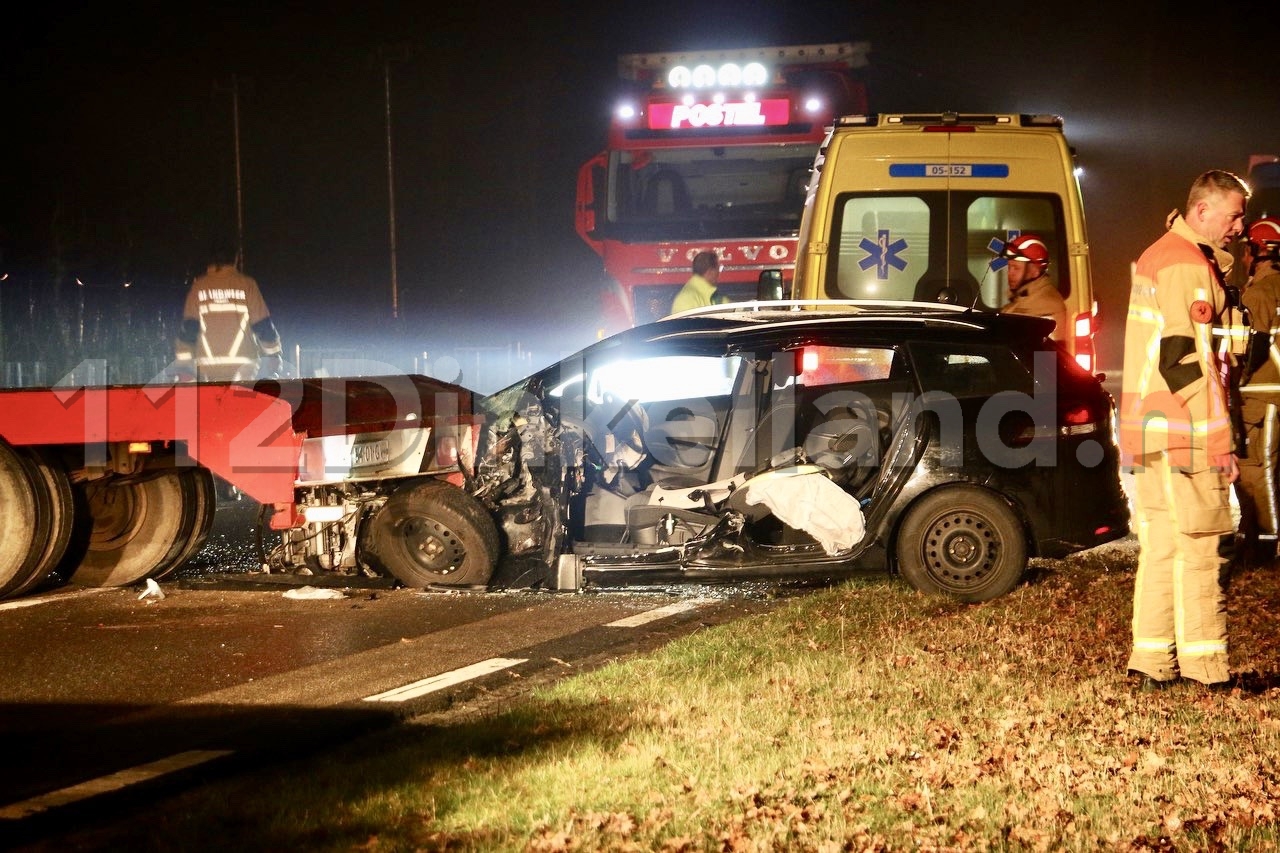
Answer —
769 285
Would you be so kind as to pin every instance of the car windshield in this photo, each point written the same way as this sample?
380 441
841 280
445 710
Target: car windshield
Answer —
646 376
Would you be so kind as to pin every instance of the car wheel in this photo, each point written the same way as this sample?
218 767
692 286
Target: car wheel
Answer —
962 541
433 533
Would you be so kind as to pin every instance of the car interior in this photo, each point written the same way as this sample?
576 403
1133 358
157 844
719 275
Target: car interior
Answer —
665 467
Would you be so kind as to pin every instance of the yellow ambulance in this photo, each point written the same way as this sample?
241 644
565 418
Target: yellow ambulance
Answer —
920 207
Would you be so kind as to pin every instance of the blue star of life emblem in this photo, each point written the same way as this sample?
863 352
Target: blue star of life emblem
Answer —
882 254
997 245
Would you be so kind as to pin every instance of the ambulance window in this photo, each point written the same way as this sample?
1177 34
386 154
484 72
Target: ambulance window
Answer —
882 247
992 220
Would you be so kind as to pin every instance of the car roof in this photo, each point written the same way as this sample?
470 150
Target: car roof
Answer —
744 325
886 317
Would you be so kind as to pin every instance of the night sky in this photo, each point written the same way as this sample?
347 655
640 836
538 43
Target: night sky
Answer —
119 152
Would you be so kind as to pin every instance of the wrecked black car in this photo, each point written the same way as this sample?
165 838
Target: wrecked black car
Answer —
770 441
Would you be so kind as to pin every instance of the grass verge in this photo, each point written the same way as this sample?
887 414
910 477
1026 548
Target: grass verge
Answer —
862 717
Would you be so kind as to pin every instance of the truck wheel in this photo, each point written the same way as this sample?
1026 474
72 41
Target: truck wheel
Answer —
138 527
432 532
24 521
200 501
62 516
962 541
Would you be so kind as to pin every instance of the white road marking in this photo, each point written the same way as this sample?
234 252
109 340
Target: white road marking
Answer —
183 760
444 679
653 615
113 782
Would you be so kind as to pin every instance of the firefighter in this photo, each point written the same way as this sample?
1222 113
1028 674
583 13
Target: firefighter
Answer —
227 333
1176 435
1031 291
1260 394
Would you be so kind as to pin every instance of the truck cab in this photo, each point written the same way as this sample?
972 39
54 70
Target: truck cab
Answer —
919 208
708 150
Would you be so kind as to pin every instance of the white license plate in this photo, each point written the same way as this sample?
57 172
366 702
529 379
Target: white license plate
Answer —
364 454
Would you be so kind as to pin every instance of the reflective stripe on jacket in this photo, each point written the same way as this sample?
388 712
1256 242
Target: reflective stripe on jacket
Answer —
225 322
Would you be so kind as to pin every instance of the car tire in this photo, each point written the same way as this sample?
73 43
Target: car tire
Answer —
962 541
433 533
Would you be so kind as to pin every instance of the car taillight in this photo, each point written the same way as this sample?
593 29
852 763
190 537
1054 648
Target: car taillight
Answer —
1077 420
1019 430
1082 331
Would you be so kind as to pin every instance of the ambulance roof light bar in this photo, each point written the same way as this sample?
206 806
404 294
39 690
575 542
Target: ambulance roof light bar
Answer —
948 120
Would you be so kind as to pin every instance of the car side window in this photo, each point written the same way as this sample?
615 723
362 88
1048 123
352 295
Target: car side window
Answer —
969 370
663 378
826 365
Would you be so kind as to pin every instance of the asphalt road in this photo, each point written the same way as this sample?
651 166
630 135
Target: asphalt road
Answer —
112 697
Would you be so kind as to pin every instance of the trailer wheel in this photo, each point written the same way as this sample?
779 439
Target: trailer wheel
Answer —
52 475
24 520
962 541
200 501
138 527
433 533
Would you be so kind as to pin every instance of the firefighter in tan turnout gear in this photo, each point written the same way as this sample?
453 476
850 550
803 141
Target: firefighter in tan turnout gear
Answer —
1176 434
227 333
1260 394
1031 291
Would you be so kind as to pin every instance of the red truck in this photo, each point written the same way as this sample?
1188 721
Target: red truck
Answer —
709 150
108 486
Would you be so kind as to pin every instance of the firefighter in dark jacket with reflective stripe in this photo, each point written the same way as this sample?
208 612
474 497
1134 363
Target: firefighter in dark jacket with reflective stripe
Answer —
227 333
1260 394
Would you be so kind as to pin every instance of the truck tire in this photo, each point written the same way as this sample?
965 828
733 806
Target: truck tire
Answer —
138 526
962 541
24 522
62 516
432 532
200 502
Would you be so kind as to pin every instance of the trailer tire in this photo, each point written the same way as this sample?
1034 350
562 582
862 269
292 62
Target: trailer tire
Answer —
138 526
200 502
52 476
24 522
432 532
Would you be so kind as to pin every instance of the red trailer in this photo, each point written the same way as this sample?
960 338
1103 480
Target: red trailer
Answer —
113 485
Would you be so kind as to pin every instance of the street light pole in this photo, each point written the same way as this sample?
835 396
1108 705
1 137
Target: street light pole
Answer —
4 276
234 91
391 190
387 55
235 123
